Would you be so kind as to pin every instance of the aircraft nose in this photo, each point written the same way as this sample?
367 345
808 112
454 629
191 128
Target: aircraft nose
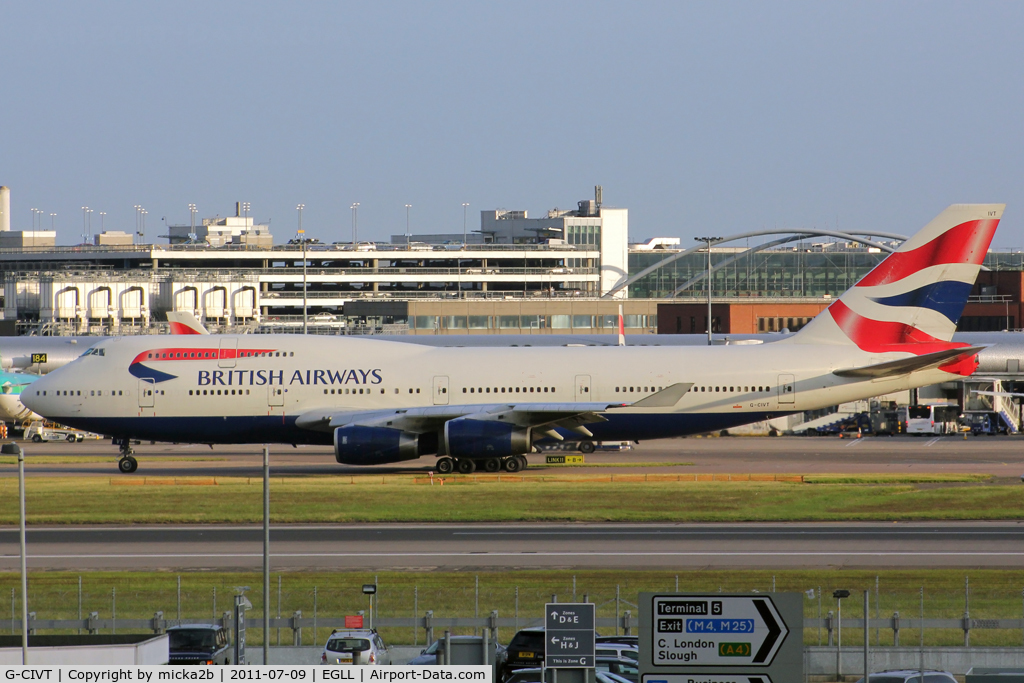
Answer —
35 396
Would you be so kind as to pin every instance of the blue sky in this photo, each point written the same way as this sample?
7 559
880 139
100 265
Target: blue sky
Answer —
711 117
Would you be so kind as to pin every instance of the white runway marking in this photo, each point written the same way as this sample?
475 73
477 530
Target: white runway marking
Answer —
932 442
880 553
854 442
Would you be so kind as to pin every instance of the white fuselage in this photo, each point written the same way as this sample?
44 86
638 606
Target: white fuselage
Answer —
250 388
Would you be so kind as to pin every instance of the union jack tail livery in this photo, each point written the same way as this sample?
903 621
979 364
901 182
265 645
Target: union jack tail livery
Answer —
912 301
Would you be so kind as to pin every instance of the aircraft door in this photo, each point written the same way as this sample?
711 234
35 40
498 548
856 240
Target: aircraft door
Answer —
146 393
583 388
787 389
228 351
441 390
275 396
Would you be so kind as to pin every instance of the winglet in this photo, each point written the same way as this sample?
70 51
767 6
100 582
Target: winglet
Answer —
183 322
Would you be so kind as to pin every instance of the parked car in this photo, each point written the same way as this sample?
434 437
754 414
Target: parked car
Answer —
355 647
198 644
526 649
632 641
617 666
528 675
609 677
628 653
910 676
428 656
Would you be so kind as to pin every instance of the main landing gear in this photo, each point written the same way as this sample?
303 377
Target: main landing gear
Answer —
512 463
127 464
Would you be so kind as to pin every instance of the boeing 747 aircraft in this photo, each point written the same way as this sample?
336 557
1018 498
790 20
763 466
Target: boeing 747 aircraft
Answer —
386 401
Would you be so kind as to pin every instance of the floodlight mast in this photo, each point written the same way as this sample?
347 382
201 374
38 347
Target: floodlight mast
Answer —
709 241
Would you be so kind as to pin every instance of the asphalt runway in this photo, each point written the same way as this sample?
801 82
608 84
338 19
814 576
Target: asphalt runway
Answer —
474 547
518 546
1000 456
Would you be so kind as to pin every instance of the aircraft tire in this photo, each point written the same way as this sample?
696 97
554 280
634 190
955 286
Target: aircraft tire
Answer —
445 466
523 461
492 465
127 465
465 465
586 447
513 464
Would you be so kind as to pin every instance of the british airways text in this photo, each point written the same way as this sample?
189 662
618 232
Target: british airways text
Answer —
239 378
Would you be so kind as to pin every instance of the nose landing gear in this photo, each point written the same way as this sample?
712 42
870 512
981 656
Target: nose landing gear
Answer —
127 464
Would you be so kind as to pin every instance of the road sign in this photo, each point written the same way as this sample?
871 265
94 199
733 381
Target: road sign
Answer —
750 636
569 641
707 678
564 459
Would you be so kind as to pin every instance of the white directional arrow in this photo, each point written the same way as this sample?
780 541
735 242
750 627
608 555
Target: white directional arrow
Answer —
554 640
554 615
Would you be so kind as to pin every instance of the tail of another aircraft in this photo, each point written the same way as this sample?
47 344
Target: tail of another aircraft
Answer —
185 323
917 294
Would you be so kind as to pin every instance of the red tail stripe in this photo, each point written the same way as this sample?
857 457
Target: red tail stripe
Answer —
182 328
966 243
201 354
875 336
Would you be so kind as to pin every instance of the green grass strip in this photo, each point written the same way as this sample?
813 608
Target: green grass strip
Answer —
96 500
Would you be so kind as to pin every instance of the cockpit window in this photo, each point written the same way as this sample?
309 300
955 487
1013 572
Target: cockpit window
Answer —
95 352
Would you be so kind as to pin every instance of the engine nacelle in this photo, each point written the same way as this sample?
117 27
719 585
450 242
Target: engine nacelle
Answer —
374 445
466 438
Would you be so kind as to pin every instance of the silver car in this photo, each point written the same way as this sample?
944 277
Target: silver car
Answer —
355 647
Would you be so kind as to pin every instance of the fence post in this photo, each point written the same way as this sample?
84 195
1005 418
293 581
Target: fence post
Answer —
485 642
967 611
494 625
428 625
617 608
828 627
895 629
92 626
31 628
225 620
447 646
158 623
626 619
415 611
314 615
296 629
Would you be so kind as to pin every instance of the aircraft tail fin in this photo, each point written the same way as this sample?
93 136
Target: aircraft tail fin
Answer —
918 293
183 322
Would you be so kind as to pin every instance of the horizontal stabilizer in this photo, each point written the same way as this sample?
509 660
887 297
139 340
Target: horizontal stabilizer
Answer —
905 366
666 398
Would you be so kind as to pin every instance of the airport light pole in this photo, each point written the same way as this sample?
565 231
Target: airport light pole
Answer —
407 207
465 215
142 213
709 241
192 232
14 449
266 554
355 217
136 207
839 594
85 213
302 238
102 221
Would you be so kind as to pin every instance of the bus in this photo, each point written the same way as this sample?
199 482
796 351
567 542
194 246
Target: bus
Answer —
932 419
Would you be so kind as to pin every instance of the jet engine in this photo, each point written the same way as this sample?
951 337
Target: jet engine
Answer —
374 445
466 438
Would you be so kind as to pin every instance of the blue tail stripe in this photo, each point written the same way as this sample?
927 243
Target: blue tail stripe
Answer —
142 372
947 297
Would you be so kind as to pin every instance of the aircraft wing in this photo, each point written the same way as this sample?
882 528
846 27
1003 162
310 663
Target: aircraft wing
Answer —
548 416
905 366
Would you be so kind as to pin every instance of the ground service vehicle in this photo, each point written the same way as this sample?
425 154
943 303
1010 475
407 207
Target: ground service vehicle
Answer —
39 431
932 419
199 644
355 647
381 401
